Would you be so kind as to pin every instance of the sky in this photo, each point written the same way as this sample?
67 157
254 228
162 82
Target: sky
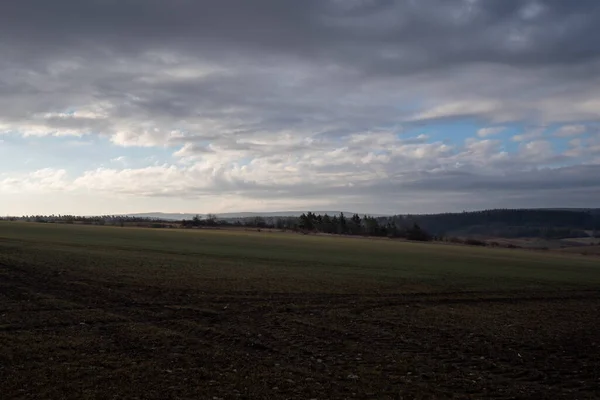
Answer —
372 106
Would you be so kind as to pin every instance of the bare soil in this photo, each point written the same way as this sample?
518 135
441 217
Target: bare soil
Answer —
65 337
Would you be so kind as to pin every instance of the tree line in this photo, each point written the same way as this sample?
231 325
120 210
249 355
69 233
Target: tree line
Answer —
507 223
117 220
316 223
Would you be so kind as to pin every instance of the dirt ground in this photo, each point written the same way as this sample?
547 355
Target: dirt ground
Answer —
62 336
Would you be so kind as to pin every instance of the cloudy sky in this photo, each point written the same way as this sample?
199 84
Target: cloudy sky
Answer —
381 106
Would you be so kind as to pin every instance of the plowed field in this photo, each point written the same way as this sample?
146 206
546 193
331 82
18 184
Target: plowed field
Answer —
117 313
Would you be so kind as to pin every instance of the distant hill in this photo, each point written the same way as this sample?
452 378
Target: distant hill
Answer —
594 211
182 216
548 223
505 223
446 216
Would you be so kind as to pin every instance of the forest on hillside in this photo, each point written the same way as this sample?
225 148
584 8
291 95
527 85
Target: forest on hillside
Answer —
550 224
501 223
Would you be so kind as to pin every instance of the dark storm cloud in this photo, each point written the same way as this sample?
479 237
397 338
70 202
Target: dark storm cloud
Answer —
380 36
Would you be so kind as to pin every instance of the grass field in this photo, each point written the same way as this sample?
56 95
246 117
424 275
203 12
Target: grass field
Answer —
106 312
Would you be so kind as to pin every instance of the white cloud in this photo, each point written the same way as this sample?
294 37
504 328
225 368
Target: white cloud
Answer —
537 151
530 134
570 130
490 131
462 108
123 160
38 129
40 181
386 158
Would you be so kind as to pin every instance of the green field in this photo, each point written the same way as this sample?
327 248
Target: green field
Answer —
110 312
293 260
